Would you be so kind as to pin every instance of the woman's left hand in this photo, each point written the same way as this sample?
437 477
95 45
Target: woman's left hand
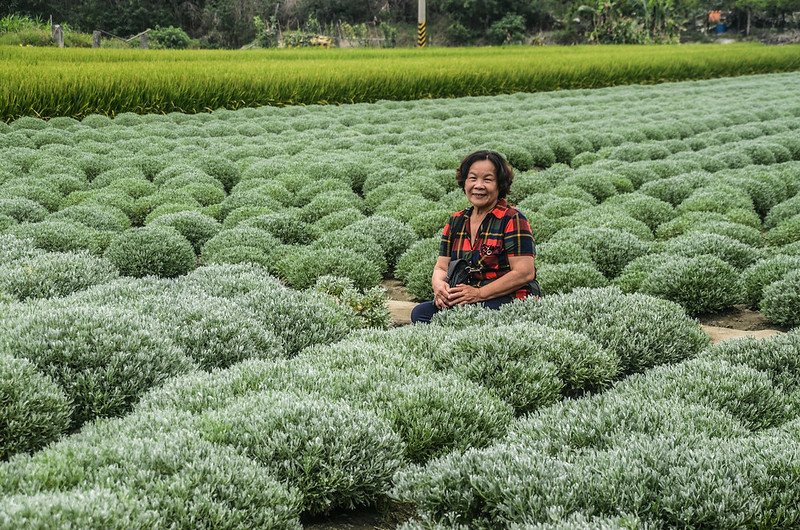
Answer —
464 294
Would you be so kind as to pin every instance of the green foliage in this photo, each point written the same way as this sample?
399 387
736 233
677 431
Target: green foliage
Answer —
301 266
171 38
692 244
609 248
102 358
415 268
701 284
564 277
53 274
196 227
106 218
758 276
62 236
336 455
156 250
33 410
786 232
370 307
781 300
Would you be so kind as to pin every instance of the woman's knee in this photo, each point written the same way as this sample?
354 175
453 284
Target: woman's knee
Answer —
423 313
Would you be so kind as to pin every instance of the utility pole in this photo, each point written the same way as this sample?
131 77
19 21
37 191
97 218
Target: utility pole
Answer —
422 27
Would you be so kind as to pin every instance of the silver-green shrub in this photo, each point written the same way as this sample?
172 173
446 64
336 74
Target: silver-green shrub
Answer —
196 227
33 409
609 248
151 251
54 274
565 277
781 300
102 358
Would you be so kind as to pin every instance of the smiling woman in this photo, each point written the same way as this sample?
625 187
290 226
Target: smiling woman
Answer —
487 251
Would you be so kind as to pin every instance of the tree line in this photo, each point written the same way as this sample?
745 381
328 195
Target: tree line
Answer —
230 23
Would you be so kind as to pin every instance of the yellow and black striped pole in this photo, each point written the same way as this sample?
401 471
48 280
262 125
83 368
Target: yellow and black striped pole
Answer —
422 26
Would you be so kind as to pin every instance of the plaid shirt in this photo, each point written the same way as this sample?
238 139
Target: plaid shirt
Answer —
504 233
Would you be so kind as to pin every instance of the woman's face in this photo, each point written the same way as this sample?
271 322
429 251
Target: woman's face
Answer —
481 184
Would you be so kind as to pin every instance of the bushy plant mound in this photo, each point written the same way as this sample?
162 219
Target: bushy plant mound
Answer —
22 210
33 409
370 308
136 460
392 235
95 216
786 232
693 244
242 245
559 252
528 368
54 274
102 358
151 251
196 227
637 271
627 450
643 331
564 277
781 300
700 284
758 276
649 210
610 249
302 266
358 242
62 236
610 217
13 248
415 268
336 455
778 357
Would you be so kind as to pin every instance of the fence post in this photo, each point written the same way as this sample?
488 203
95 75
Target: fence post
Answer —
143 41
58 35
95 39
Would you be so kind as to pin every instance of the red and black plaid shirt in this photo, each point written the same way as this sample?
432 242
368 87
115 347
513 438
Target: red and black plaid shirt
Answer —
504 233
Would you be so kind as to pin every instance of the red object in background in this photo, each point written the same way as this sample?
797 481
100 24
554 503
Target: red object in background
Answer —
714 16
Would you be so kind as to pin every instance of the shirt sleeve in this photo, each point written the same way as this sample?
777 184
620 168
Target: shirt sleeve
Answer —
446 244
518 237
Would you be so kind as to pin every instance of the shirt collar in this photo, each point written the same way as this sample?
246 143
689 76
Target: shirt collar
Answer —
498 211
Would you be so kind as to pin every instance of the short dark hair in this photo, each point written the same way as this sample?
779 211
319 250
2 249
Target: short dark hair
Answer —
505 175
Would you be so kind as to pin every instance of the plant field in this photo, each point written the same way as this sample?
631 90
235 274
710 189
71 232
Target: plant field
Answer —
79 82
192 332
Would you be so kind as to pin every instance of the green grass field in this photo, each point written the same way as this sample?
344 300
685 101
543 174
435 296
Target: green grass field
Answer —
77 82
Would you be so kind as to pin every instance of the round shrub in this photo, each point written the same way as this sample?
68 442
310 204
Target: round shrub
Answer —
674 190
54 274
701 284
649 210
302 266
599 183
338 220
329 202
359 242
239 215
299 319
284 226
564 277
169 209
557 252
403 206
33 190
33 409
12 248
196 227
786 232
102 358
763 273
610 249
781 300
731 251
62 236
240 239
220 168
747 235
415 268
95 216
337 456
205 193
778 357
779 213
127 173
103 197
644 331
153 250
393 236
430 222
22 210
637 271
562 207
528 368
145 205
610 217
5 222
718 198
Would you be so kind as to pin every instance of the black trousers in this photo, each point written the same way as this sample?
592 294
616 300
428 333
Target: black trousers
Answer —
424 312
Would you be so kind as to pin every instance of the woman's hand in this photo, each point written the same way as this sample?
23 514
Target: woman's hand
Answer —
464 294
441 296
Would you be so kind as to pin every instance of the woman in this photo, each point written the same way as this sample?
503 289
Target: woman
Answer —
495 237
